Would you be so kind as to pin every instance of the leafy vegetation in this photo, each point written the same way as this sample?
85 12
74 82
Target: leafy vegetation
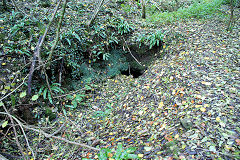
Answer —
126 80
199 9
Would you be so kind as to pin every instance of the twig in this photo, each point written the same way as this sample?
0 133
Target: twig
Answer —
131 52
95 13
14 89
156 5
58 130
57 34
50 135
20 84
16 7
38 49
15 133
3 158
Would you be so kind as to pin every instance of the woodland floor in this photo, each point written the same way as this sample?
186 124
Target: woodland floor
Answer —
185 106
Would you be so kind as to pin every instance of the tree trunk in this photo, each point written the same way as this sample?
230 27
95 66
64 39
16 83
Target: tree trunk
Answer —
143 9
229 28
57 34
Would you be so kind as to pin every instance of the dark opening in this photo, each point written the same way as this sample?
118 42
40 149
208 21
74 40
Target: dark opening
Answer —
133 71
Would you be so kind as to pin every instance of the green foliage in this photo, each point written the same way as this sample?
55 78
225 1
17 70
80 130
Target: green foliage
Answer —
123 27
83 48
46 94
104 113
236 3
117 63
119 154
151 40
203 9
19 30
75 99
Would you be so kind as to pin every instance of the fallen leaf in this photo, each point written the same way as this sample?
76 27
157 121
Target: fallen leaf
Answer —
207 83
176 136
35 97
148 149
160 105
163 126
218 119
140 112
212 148
4 124
203 109
198 106
140 155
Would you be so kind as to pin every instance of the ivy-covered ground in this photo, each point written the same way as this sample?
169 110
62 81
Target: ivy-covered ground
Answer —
185 106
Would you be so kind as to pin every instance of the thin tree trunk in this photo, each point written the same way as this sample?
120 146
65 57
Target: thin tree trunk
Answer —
143 9
231 16
57 34
36 54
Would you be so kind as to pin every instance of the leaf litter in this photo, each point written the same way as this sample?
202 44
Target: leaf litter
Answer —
184 106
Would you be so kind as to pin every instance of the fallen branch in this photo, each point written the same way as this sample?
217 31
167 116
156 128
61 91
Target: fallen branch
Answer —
3 158
15 133
50 135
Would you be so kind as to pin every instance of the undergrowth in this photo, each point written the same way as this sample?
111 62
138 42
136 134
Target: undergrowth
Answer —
202 9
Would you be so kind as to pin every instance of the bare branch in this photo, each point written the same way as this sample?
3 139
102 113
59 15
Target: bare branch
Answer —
50 135
58 33
38 49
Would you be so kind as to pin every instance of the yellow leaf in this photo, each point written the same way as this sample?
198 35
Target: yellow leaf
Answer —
214 51
164 46
160 105
198 106
176 136
140 155
111 133
206 105
218 119
203 109
3 64
89 61
110 155
183 146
